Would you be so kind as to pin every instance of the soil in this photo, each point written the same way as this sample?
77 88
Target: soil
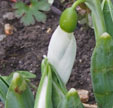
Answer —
24 49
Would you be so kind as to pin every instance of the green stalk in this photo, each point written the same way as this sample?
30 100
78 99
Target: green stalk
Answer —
76 3
97 16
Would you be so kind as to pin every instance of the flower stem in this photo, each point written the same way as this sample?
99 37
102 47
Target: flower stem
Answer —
97 17
76 3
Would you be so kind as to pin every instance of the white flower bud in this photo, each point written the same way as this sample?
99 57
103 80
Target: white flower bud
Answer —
61 53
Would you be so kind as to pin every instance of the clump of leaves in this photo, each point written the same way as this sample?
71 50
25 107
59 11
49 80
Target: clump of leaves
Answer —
32 12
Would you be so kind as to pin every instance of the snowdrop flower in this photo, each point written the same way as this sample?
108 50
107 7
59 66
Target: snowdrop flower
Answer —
61 53
62 47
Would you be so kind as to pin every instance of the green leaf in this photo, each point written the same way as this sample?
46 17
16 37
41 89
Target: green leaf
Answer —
19 94
6 79
27 19
58 90
40 16
58 97
26 74
3 89
108 15
73 100
43 6
22 8
29 13
44 93
102 71
58 87
112 1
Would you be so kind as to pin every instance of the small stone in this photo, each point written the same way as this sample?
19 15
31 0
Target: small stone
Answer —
8 29
80 60
43 28
2 36
84 95
31 71
9 16
1 105
89 106
49 30
20 62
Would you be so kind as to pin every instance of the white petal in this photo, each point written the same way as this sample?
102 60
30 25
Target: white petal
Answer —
61 52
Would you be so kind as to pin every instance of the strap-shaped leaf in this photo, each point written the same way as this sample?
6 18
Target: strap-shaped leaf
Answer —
102 71
107 7
58 88
55 76
7 79
19 94
58 97
56 79
44 93
3 89
26 74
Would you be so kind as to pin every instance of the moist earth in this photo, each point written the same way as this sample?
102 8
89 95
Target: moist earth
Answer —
24 49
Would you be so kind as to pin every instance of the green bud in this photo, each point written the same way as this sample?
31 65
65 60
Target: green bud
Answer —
68 20
73 99
19 83
72 93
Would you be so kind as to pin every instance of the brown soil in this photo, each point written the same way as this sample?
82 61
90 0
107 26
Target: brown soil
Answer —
24 49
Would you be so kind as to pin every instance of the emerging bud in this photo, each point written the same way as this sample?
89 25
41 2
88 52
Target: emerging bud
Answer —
19 84
73 99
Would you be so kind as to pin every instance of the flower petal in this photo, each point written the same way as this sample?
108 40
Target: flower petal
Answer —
61 53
